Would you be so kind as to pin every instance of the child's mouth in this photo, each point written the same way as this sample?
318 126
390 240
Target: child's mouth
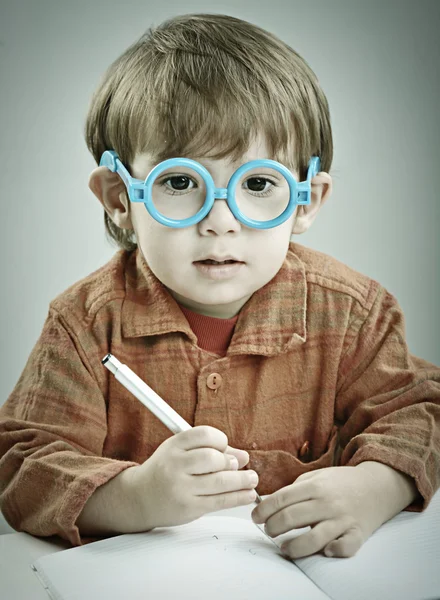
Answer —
208 261
213 269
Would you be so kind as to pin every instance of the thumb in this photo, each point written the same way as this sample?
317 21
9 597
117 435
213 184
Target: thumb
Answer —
241 455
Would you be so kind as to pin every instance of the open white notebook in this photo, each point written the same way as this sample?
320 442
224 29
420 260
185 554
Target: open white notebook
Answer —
229 558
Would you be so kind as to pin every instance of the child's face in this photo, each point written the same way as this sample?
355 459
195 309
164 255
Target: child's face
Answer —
173 254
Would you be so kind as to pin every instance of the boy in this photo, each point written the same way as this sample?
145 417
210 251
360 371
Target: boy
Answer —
285 361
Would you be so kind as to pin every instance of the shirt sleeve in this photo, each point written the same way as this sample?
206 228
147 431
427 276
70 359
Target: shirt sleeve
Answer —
52 432
388 401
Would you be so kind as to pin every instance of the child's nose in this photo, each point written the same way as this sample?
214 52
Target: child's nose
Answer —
220 219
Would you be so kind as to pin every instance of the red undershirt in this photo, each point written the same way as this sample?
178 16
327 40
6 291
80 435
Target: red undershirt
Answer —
212 334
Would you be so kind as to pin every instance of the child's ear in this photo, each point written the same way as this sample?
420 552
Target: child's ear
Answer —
110 190
321 192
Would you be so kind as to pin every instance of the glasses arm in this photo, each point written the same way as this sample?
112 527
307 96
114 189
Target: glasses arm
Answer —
135 187
304 188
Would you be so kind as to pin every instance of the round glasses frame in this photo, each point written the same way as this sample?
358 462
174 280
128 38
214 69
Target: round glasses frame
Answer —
141 191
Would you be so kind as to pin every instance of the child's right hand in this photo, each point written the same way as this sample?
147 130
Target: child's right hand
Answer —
190 474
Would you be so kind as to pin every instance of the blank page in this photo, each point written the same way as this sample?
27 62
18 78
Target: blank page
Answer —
215 557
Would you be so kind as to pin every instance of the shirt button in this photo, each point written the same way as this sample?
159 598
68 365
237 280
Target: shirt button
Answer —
214 381
304 449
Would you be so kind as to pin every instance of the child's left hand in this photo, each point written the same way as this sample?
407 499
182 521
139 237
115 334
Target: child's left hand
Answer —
343 505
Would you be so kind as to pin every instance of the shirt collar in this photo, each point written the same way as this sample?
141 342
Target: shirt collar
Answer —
270 323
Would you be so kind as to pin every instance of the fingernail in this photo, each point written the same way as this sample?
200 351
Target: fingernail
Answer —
253 478
328 553
233 463
251 495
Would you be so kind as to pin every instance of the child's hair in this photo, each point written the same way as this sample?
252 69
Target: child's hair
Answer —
205 85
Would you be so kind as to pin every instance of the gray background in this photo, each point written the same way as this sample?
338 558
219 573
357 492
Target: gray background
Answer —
379 64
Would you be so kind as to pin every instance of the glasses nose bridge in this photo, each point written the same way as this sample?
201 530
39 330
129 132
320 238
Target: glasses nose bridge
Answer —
220 193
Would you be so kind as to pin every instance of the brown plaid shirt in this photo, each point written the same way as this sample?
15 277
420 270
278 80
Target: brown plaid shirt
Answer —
317 374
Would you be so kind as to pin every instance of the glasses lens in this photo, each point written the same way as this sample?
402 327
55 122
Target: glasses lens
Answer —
262 194
178 193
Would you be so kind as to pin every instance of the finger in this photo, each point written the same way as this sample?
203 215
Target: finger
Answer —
317 538
305 476
346 545
224 482
202 436
227 500
295 516
241 455
286 496
207 460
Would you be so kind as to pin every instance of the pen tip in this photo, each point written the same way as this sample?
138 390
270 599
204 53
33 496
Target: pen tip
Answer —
111 363
106 358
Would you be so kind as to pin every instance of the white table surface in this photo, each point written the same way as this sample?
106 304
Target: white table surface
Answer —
19 550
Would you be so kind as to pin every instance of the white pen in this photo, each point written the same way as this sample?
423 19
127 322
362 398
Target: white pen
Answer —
134 384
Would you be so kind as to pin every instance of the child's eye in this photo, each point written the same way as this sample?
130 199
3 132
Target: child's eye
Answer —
178 183
258 185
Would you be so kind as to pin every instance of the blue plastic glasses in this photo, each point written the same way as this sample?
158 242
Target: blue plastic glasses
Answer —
187 206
